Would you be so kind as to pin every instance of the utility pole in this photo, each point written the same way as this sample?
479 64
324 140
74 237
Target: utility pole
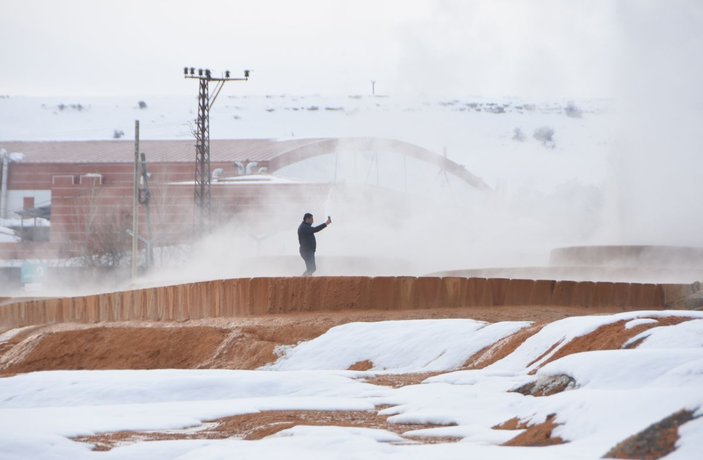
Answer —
373 88
4 164
202 195
144 198
135 200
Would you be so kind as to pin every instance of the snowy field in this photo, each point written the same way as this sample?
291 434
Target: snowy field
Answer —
614 394
494 138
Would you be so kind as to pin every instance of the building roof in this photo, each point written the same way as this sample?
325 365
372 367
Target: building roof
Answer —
277 153
159 151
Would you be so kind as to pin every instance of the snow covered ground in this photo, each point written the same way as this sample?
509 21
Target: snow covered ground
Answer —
616 394
494 138
397 346
7 235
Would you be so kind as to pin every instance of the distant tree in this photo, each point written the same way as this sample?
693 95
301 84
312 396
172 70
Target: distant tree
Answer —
518 135
104 242
142 105
118 134
108 243
571 110
545 135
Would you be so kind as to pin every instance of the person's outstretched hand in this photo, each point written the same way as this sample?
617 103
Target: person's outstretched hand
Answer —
328 221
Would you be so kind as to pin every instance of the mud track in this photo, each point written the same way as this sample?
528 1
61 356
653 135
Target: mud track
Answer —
260 425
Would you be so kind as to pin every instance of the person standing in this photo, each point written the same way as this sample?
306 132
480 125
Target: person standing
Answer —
308 244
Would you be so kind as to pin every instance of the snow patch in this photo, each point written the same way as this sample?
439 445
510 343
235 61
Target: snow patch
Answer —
8 235
331 431
28 222
620 369
540 347
397 346
9 335
688 334
639 322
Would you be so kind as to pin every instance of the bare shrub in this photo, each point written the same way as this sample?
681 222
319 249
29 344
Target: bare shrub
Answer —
545 135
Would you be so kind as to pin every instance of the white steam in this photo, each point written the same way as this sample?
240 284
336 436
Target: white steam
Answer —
629 171
657 161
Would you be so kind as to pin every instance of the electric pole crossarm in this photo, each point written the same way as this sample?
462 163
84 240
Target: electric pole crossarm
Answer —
217 79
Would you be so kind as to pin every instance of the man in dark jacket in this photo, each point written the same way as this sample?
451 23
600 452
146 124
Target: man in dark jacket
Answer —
308 244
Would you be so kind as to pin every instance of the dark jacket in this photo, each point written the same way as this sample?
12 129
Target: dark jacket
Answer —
306 236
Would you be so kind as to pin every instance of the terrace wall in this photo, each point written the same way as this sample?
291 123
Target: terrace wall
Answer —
261 296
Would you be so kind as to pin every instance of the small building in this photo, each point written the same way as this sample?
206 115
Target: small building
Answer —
59 195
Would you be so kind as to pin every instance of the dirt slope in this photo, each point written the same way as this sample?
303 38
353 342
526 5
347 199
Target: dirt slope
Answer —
248 343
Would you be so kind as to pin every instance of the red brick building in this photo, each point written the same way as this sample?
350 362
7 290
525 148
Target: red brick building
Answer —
85 188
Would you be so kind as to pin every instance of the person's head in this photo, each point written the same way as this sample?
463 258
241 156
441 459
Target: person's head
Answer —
307 218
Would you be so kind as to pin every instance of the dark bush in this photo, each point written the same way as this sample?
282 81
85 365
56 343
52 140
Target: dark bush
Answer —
571 110
545 135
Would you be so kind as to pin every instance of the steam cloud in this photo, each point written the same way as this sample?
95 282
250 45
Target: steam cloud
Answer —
642 185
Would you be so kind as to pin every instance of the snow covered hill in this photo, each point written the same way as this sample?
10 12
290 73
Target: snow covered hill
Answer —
581 387
499 139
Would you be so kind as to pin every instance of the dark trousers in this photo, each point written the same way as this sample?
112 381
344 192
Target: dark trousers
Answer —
308 256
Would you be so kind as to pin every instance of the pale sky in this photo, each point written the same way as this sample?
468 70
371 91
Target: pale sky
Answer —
528 48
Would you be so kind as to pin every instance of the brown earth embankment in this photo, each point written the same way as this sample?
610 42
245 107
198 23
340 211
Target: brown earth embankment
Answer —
251 342
262 296
222 343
